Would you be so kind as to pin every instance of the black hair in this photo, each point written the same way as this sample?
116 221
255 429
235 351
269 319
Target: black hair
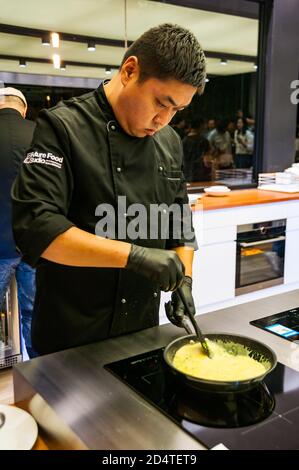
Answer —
221 125
197 123
170 52
242 131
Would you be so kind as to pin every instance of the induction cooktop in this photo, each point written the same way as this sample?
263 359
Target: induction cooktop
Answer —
264 417
284 324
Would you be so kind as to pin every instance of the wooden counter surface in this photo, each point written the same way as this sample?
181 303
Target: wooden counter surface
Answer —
40 444
244 197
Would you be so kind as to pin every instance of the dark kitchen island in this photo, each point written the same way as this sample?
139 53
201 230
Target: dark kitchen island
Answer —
78 404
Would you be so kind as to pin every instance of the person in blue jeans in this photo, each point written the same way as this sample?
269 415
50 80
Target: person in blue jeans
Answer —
15 137
25 277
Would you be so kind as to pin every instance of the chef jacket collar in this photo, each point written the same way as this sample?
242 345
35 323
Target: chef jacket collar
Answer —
104 103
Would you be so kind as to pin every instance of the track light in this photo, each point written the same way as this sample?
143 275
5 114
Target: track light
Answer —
108 70
62 66
55 39
207 79
255 66
223 61
56 61
46 40
91 46
22 63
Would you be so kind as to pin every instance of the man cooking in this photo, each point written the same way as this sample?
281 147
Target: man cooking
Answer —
88 151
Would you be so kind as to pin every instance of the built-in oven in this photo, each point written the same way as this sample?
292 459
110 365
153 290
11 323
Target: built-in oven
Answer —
260 255
10 340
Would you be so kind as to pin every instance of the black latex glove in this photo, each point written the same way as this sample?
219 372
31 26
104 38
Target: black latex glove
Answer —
163 267
175 309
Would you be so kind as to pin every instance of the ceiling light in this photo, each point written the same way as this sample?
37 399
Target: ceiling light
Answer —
22 63
46 40
255 65
48 97
91 46
108 70
223 61
55 39
56 61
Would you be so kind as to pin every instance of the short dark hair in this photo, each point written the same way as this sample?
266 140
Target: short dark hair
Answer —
170 52
221 125
197 122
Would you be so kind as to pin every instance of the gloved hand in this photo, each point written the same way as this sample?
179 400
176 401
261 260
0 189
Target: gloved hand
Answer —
163 267
175 309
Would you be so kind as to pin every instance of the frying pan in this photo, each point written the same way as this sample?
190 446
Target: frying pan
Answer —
258 351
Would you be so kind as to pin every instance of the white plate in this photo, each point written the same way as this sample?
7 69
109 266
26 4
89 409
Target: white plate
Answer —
217 190
19 431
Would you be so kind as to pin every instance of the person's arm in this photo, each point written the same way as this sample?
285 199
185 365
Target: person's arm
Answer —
175 310
41 195
186 254
75 247
250 142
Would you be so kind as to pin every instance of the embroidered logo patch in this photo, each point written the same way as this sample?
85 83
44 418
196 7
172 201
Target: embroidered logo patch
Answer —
44 159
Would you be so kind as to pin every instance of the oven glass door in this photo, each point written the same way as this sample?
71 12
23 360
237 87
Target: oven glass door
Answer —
260 261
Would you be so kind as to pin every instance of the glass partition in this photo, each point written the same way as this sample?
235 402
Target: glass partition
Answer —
217 129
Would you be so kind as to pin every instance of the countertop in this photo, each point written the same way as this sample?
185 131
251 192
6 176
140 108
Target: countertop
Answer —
70 392
243 197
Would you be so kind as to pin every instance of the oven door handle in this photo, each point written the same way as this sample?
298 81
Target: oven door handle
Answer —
262 242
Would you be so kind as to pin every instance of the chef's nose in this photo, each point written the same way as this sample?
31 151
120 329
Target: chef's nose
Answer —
163 117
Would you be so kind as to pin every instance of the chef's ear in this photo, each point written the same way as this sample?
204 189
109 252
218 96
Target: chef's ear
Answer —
130 70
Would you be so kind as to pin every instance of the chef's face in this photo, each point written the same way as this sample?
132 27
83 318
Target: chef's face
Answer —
145 107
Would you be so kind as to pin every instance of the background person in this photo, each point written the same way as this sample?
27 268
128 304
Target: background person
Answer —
15 138
220 142
243 145
196 147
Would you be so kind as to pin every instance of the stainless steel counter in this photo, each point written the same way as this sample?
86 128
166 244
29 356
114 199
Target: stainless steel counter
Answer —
78 404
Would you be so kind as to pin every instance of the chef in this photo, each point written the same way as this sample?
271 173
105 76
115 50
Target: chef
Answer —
88 152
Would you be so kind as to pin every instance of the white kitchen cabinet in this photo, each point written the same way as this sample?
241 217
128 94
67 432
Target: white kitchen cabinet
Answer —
214 273
215 261
291 269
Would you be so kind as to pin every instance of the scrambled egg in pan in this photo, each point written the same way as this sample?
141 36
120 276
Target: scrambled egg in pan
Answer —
222 366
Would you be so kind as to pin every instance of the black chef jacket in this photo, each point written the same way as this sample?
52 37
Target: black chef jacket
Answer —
15 137
79 158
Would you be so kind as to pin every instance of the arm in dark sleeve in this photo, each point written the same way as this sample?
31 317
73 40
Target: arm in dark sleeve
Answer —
42 191
186 235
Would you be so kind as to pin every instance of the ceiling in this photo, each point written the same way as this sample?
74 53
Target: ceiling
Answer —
105 18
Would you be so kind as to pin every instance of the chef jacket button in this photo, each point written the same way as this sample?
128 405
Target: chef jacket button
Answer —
160 168
155 294
123 301
118 169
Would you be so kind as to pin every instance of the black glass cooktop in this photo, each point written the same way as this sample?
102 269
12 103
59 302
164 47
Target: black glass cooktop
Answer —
264 417
283 324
